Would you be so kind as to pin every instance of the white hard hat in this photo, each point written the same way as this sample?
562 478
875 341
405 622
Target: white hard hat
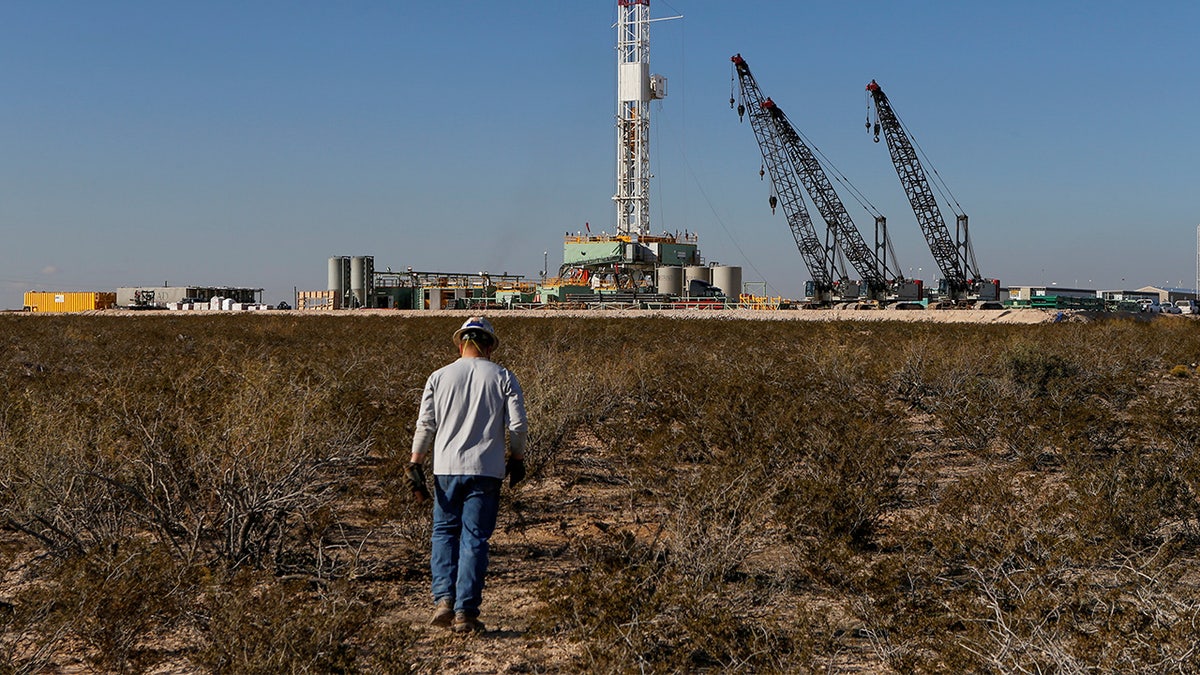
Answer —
476 323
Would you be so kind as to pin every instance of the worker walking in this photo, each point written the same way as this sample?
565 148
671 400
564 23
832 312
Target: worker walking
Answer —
465 411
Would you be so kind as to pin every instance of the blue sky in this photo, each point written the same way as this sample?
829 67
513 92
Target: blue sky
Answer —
243 143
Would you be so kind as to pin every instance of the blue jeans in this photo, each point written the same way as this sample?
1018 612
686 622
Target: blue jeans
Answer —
464 517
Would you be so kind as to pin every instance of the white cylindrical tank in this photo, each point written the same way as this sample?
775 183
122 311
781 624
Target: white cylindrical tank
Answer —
335 274
358 283
696 273
728 278
362 278
670 279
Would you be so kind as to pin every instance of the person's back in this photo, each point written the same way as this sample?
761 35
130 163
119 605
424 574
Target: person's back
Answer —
469 405
466 409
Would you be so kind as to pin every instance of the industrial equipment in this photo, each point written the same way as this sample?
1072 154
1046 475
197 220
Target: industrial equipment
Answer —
818 256
163 297
776 137
628 260
73 301
955 257
636 87
352 279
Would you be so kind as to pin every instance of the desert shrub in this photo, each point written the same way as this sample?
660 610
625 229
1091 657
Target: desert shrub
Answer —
842 477
1171 423
25 646
271 460
931 366
232 459
53 465
1125 498
1037 370
975 416
717 519
960 498
566 387
111 601
633 611
1035 400
258 624
1010 573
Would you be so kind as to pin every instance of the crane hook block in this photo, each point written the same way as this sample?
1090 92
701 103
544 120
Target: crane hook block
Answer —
772 201
741 112
761 172
731 101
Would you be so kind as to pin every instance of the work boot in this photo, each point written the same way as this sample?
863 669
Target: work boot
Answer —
443 614
466 624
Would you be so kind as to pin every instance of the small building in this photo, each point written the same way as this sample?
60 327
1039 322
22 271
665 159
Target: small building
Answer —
1125 295
76 301
1168 295
159 297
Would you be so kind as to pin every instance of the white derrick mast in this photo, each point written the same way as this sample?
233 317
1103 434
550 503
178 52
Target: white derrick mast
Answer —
635 89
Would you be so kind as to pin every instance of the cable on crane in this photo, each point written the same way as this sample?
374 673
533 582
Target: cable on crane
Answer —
733 88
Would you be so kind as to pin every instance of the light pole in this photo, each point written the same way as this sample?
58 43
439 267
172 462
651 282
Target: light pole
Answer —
545 264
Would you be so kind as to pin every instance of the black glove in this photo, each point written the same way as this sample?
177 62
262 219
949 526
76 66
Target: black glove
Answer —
414 475
515 470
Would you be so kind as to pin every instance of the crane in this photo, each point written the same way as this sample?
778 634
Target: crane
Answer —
955 257
771 123
820 257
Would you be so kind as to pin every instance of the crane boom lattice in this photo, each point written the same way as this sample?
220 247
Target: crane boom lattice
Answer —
870 265
818 256
954 256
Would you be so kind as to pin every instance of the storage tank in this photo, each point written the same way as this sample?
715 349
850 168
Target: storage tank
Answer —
357 284
337 275
670 279
362 278
728 278
696 273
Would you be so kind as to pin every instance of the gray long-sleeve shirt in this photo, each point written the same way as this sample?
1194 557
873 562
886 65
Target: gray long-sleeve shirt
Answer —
465 410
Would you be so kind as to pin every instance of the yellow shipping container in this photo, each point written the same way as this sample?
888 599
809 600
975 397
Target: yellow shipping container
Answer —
48 301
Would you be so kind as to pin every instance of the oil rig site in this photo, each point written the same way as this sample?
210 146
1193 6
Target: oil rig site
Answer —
642 265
